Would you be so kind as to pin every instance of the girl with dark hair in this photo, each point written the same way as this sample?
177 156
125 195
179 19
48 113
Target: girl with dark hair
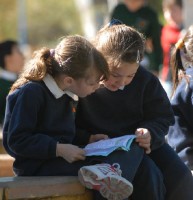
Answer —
133 101
11 64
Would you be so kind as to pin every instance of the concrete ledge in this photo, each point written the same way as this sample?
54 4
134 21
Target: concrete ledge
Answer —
43 187
2 150
6 165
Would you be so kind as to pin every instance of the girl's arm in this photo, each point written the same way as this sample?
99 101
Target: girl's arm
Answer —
158 113
22 118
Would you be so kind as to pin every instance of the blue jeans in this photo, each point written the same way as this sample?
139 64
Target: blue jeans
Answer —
177 177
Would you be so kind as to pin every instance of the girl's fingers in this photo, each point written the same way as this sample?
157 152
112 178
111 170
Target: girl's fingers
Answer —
148 151
144 145
140 140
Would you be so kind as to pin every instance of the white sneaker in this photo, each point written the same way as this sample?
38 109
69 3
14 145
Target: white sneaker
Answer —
107 180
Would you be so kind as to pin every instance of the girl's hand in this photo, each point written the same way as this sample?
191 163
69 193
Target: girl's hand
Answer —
144 139
97 137
70 153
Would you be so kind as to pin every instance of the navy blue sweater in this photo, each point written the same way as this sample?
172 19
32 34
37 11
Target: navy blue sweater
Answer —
142 103
180 135
35 121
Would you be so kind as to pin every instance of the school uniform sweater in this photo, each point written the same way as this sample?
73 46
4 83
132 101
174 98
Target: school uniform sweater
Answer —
35 121
180 135
145 20
142 103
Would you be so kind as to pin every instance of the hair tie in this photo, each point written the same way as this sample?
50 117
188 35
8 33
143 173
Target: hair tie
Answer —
63 63
52 52
115 22
179 44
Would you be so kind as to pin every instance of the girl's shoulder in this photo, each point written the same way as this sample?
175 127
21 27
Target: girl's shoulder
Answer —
147 75
32 89
147 80
36 86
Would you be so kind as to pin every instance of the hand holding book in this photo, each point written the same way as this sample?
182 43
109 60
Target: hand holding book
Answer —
107 146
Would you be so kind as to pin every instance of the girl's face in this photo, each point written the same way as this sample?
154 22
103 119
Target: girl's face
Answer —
134 5
14 61
121 76
86 86
174 15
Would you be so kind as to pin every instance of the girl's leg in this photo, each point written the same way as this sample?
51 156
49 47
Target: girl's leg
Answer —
148 182
59 167
129 161
177 177
139 169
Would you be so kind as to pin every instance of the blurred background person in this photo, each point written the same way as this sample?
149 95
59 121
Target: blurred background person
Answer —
180 135
138 14
171 31
11 63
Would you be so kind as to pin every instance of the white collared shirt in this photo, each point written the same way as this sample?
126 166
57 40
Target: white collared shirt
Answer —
9 76
55 90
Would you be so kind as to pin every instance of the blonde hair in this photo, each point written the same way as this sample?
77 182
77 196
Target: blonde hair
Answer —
120 43
182 58
72 56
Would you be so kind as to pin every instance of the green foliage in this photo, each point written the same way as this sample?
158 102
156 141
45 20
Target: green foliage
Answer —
157 6
47 20
8 20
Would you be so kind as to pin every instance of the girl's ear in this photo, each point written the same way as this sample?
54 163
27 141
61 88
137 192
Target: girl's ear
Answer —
68 81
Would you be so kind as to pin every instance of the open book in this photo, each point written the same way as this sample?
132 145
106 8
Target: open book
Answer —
105 147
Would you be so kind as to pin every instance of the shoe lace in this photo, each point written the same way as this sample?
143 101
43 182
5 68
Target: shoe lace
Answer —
117 168
110 169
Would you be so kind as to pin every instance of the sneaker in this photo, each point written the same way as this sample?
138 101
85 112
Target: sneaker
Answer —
107 180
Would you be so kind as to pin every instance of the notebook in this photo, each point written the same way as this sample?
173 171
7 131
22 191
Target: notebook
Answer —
107 146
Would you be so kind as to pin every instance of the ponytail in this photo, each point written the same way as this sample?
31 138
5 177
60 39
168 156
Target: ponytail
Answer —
182 58
73 56
176 67
36 69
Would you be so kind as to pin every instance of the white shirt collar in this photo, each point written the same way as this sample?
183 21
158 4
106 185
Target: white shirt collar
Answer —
55 90
122 87
9 76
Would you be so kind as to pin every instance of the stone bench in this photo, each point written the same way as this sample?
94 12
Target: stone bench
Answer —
6 161
2 150
48 187
51 187
6 165
44 187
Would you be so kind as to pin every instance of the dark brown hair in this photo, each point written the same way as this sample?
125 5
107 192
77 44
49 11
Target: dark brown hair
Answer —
120 43
6 48
73 56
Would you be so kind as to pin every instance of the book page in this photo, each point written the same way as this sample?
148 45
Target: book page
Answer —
105 147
